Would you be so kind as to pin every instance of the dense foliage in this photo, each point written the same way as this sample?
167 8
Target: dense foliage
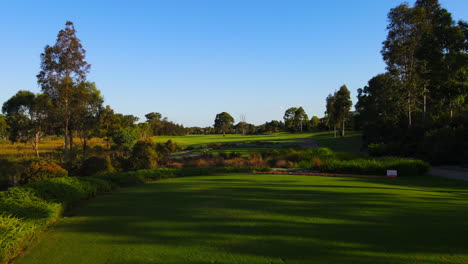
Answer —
418 107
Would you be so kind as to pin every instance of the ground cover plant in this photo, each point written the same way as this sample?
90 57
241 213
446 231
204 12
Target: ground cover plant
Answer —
251 218
28 209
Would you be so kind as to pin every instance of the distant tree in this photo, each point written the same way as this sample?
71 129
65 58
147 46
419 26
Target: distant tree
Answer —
125 121
63 69
223 122
87 104
342 107
107 124
27 114
153 116
300 118
145 131
314 122
330 113
289 119
242 125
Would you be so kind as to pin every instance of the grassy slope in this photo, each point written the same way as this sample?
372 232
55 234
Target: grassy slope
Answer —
266 219
351 142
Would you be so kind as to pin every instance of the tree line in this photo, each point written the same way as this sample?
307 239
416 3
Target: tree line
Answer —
70 105
418 106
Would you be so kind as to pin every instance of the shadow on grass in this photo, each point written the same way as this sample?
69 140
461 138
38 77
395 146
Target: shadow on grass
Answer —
286 221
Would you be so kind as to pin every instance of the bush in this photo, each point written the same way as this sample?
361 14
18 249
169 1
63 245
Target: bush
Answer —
445 145
28 209
381 149
41 170
144 155
405 167
124 138
9 171
284 164
235 162
96 165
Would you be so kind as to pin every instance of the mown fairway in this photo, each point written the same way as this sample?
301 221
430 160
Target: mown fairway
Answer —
265 219
197 140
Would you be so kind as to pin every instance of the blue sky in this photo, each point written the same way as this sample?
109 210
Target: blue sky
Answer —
192 59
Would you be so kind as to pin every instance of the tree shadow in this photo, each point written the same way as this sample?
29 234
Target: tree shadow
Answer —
279 222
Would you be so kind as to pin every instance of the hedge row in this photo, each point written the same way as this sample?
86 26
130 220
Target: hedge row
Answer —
25 210
405 167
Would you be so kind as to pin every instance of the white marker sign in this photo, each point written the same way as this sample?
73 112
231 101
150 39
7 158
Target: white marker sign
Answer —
391 173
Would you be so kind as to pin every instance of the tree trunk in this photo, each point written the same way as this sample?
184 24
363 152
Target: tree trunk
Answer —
343 128
84 147
424 106
66 142
409 113
36 144
71 140
334 129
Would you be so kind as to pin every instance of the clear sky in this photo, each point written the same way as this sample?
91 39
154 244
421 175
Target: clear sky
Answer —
192 59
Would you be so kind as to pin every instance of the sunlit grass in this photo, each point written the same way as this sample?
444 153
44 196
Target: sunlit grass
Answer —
197 140
247 218
46 145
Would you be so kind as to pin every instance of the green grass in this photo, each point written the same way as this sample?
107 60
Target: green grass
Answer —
199 140
243 218
351 142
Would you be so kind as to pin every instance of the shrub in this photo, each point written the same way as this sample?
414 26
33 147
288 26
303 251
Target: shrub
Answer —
41 170
256 160
96 165
144 155
124 138
445 145
15 235
405 167
174 164
28 209
381 149
9 172
284 164
235 162
166 148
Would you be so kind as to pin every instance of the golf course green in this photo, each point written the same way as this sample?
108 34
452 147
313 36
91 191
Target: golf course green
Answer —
253 218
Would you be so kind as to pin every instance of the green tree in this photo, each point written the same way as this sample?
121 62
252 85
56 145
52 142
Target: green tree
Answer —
300 118
223 122
107 124
342 106
330 113
314 122
289 119
63 69
27 116
380 107
153 116
87 104
124 139
399 52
